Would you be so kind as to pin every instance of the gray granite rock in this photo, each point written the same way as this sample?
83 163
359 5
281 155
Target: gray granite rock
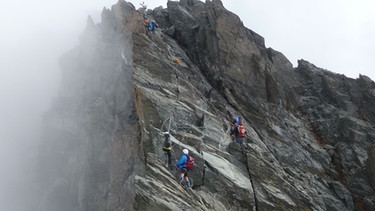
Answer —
310 131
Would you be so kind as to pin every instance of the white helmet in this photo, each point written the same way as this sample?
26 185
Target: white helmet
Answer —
185 151
166 134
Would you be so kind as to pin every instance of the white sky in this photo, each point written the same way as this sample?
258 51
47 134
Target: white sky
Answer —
338 35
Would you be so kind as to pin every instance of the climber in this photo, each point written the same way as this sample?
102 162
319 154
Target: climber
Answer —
238 130
151 26
167 148
182 165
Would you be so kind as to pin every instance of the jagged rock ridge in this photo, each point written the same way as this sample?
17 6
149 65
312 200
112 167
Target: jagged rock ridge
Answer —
311 131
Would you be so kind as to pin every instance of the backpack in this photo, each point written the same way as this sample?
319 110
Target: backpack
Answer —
241 131
190 162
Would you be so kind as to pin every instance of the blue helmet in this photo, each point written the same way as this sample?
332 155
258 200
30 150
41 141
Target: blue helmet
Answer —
236 120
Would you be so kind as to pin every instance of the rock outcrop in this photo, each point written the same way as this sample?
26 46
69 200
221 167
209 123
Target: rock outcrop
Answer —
311 131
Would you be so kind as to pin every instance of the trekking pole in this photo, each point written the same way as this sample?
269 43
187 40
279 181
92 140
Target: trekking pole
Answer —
169 126
161 128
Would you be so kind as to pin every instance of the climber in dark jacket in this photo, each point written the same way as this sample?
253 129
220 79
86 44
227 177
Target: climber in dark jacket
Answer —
167 148
235 130
151 26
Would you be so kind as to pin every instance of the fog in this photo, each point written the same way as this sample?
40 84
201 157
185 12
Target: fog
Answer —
34 34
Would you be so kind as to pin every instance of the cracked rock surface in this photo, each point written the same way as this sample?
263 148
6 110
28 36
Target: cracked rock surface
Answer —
310 143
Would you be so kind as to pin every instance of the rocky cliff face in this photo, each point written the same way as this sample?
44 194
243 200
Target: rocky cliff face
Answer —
311 131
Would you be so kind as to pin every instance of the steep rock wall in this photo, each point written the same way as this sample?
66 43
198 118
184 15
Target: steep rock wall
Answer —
90 148
309 129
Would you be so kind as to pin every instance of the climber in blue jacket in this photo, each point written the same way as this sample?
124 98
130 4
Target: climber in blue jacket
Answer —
151 26
181 164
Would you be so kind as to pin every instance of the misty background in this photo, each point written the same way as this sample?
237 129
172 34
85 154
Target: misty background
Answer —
333 35
34 34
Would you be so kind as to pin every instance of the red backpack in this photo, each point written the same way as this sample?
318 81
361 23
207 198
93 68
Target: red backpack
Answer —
190 162
241 131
